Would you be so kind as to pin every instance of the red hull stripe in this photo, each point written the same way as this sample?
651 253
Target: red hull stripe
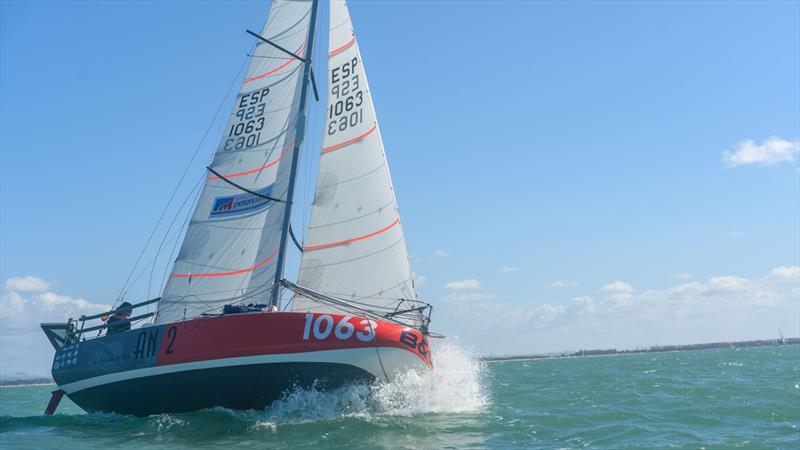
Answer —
349 141
351 240
272 334
225 274
248 172
342 48
268 73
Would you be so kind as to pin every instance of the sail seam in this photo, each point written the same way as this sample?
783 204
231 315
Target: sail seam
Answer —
351 240
265 167
284 34
375 296
349 141
352 219
363 257
270 72
336 51
350 180
225 274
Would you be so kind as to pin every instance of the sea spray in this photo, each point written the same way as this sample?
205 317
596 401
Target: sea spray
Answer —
454 385
309 405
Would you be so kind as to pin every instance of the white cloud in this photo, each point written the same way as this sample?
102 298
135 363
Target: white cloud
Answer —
618 287
26 302
441 253
463 284
726 284
562 284
26 284
420 280
785 274
734 234
717 309
459 297
682 276
772 151
508 269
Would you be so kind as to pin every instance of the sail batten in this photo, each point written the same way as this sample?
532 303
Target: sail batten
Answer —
354 247
232 245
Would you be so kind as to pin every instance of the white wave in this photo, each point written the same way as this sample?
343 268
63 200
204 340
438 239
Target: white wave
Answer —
308 405
453 386
166 422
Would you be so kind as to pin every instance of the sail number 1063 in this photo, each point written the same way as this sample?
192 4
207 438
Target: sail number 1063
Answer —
320 327
346 98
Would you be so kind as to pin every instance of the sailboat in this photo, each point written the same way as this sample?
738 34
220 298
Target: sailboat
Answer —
221 335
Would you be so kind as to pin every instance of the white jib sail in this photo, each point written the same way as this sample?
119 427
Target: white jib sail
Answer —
354 248
231 245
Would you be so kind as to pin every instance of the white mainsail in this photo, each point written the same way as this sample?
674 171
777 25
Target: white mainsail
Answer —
232 243
354 248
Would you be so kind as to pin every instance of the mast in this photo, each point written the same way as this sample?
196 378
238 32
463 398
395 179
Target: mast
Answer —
298 140
230 250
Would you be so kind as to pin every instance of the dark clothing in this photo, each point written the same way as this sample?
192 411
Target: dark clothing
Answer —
115 327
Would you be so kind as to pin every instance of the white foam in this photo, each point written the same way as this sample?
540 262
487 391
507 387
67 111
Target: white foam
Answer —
453 386
166 422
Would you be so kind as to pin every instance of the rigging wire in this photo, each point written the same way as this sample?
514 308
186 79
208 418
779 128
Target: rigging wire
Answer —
349 306
180 181
175 244
250 54
166 234
280 58
152 263
312 145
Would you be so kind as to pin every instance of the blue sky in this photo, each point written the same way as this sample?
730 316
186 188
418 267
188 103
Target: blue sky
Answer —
541 153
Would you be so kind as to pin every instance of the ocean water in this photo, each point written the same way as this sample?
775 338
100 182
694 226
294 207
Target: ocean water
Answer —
726 398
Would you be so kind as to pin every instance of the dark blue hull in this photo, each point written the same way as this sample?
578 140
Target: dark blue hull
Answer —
239 387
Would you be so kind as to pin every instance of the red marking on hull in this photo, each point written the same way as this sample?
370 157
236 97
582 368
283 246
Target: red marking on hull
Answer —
252 334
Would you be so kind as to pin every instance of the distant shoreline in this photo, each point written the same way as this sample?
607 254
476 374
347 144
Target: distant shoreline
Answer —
654 349
37 381
25 384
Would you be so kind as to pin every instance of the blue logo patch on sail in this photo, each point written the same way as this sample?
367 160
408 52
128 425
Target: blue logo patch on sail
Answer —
234 205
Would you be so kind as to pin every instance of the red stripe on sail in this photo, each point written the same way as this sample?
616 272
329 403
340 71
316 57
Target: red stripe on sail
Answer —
266 74
351 240
350 141
336 51
225 274
248 172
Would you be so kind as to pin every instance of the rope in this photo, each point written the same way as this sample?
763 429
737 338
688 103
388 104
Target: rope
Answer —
294 239
222 177
348 306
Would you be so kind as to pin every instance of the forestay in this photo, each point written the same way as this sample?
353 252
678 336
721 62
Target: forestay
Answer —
354 249
231 245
